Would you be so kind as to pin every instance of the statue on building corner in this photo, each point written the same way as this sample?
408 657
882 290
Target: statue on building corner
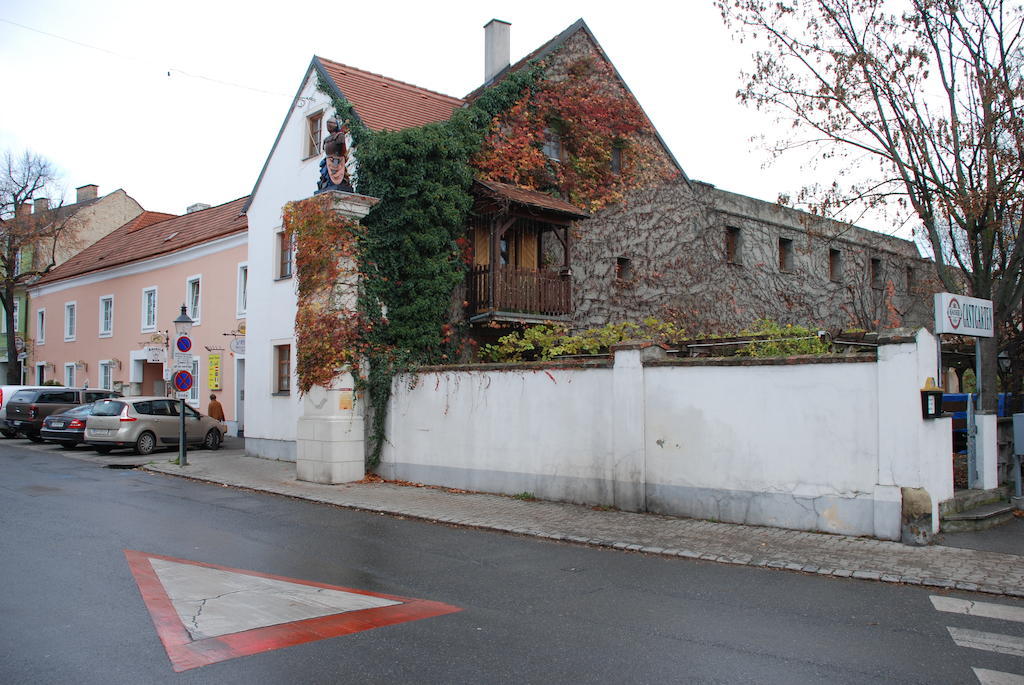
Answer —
334 165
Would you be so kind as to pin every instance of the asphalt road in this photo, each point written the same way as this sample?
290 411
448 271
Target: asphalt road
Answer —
532 611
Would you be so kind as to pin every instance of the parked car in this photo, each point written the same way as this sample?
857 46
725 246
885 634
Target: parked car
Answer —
147 424
28 408
67 428
6 393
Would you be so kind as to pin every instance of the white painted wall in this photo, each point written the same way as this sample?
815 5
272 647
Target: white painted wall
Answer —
823 446
542 431
271 420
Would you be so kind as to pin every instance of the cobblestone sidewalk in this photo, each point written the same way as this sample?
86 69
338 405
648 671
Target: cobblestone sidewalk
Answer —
835 555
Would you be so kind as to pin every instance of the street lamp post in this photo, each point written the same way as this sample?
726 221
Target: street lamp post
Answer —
182 327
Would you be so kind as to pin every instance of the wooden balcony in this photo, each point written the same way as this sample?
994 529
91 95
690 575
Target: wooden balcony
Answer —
519 294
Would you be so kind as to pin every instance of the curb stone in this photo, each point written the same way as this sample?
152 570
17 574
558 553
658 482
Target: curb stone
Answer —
970 570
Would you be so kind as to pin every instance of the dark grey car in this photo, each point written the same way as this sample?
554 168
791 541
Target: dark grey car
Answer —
28 408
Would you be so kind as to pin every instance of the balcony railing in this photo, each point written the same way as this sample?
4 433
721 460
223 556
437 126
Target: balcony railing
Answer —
517 290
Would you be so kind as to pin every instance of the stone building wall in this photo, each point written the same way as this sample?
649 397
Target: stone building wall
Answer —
664 252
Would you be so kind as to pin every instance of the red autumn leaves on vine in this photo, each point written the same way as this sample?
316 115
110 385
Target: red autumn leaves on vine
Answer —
329 332
592 115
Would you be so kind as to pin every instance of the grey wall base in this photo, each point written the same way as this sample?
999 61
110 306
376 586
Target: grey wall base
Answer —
855 515
827 513
282 450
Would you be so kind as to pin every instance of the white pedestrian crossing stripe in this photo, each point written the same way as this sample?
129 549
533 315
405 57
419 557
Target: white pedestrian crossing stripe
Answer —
983 609
990 642
987 677
983 640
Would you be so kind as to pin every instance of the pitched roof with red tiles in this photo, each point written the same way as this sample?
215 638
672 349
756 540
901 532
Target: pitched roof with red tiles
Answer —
385 103
152 234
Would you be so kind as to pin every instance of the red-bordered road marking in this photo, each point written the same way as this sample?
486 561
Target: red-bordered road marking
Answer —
186 653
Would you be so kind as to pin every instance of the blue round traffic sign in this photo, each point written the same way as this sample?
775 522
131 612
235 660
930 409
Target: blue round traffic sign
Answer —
184 343
183 381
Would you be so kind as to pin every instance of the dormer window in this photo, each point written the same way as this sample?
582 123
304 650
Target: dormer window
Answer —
552 145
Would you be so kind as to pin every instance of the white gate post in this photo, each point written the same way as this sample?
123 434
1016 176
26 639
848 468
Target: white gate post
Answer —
330 444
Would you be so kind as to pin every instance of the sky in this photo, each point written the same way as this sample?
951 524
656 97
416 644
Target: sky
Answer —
179 103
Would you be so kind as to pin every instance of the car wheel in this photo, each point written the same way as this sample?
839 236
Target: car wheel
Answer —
103 450
212 440
68 445
9 433
145 444
34 438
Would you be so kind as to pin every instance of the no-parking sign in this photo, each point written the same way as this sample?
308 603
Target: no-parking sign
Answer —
183 381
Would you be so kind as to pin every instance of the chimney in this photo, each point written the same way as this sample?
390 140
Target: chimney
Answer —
496 48
199 206
41 204
88 192
23 210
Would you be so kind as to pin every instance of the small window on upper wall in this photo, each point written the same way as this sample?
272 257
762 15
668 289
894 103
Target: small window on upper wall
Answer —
835 265
193 299
911 280
70 321
623 269
149 310
616 161
552 145
314 126
106 316
785 255
733 245
282 369
241 301
284 255
876 272
41 326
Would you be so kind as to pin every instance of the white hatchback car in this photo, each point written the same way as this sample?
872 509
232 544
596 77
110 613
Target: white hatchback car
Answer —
147 424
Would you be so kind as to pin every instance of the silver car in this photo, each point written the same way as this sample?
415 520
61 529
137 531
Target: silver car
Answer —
147 424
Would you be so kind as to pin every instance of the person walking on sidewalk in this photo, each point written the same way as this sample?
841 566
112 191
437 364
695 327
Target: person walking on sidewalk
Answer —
215 410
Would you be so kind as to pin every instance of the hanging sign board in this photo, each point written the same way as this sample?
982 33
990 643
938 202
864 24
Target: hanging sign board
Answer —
238 345
213 372
154 354
963 315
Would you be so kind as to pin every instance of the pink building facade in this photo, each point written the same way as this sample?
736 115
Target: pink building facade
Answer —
105 317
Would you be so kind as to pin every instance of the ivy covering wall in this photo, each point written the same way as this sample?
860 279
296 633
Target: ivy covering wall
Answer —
409 253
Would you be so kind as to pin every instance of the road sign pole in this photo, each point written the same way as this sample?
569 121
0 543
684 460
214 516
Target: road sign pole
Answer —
182 456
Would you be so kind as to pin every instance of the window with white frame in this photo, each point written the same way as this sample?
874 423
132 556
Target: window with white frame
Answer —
285 251
106 316
69 375
241 303
193 393
193 298
18 257
70 320
107 374
282 369
314 128
149 310
40 326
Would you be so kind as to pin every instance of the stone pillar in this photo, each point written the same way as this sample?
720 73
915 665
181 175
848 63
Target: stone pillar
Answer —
629 468
913 452
330 445
988 451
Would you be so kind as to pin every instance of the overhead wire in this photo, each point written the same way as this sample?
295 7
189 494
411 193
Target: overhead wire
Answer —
169 70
